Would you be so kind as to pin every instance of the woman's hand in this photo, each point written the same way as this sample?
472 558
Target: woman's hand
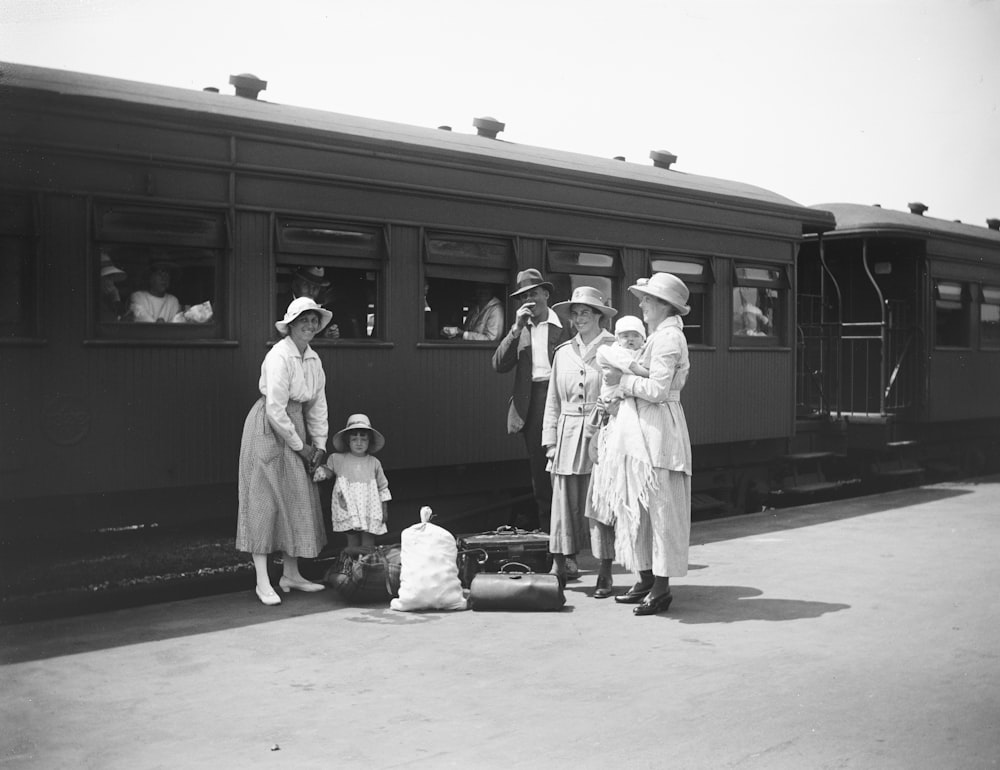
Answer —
550 452
612 376
309 453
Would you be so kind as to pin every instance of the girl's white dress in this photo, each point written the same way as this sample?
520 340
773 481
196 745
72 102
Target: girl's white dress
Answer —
358 493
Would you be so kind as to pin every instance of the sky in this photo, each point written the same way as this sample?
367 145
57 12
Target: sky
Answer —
857 101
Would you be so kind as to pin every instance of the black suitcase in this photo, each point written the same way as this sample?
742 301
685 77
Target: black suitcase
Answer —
490 551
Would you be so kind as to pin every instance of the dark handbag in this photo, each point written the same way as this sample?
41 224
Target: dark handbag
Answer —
366 575
525 590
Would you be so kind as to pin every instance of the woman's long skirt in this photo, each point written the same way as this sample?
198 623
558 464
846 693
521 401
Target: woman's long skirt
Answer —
279 504
664 534
570 503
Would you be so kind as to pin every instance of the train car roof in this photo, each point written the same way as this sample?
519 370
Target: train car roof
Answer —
86 86
854 219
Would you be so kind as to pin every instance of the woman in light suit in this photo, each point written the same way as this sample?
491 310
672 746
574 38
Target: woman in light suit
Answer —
572 396
651 487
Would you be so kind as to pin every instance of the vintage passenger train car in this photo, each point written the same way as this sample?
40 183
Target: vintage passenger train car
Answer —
108 417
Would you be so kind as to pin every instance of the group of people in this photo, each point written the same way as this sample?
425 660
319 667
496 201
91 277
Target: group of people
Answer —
605 432
600 414
151 305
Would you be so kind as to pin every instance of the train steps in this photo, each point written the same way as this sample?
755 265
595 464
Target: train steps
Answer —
805 477
895 466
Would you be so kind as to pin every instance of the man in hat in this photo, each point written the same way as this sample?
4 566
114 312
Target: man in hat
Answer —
528 349
112 306
310 282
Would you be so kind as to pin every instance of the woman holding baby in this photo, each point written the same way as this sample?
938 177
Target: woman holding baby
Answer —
645 484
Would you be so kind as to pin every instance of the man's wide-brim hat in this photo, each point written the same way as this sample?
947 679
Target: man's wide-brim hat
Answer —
316 275
358 422
589 296
108 269
299 306
531 279
665 286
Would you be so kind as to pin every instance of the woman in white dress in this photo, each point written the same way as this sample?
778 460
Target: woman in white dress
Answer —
284 440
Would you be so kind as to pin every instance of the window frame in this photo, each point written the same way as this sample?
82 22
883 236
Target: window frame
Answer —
467 268
703 285
584 275
118 225
986 301
369 254
781 283
964 300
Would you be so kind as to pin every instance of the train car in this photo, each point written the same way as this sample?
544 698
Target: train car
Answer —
899 342
107 417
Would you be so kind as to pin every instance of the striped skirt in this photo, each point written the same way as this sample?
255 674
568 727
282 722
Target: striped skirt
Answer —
279 504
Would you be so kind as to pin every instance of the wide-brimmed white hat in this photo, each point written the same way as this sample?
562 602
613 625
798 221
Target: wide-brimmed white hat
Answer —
630 323
665 286
108 269
589 296
358 422
299 306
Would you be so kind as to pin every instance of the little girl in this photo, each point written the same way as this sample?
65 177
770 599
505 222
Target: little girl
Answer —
361 491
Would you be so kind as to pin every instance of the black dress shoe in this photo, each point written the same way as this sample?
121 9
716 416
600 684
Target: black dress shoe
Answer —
652 606
632 596
604 589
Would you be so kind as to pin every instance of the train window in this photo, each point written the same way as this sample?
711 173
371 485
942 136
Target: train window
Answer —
18 284
697 275
570 267
338 265
158 272
760 304
465 281
951 314
989 318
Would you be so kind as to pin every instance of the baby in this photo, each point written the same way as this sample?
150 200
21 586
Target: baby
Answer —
630 335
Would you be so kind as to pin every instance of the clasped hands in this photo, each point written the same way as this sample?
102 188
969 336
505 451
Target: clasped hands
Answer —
311 456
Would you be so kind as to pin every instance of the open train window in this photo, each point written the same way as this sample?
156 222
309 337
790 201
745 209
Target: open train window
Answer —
18 263
570 267
465 281
951 314
989 318
760 305
338 265
158 272
697 275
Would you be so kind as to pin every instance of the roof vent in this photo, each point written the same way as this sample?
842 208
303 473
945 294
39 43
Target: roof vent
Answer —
618 157
444 128
877 205
917 208
488 127
210 89
247 85
662 158
993 224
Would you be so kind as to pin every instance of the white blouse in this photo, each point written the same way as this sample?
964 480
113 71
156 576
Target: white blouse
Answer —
287 375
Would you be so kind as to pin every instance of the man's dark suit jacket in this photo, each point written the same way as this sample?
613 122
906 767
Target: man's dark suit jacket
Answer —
513 352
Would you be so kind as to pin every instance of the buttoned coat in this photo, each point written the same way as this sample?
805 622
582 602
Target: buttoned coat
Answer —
573 392
514 352
661 415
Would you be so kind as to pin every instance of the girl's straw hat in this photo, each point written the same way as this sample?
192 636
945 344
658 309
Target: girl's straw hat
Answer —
589 296
299 306
358 422
665 286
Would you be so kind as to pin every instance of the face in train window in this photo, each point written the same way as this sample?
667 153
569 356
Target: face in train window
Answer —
989 318
760 305
339 266
951 314
18 285
464 287
697 275
156 272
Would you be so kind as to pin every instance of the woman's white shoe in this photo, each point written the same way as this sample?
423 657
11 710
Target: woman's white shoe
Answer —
268 596
287 584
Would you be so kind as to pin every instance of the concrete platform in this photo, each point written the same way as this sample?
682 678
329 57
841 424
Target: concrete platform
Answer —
863 633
